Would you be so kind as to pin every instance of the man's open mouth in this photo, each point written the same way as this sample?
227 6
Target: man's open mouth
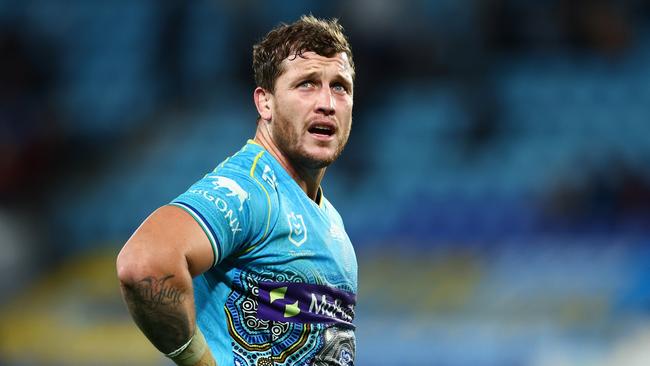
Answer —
322 130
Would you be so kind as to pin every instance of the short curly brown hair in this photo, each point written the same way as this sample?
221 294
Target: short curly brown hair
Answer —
325 37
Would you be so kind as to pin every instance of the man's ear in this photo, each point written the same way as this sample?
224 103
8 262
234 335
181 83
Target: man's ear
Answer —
263 103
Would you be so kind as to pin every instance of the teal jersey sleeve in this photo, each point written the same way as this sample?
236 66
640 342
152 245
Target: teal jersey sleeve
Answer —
232 209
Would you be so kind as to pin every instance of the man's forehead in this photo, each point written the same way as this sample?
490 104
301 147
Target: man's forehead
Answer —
311 61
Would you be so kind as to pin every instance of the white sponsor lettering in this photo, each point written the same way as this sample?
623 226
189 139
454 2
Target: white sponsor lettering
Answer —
330 309
222 206
314 307
233 222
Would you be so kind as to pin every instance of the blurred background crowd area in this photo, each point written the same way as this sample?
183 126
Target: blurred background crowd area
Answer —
496 184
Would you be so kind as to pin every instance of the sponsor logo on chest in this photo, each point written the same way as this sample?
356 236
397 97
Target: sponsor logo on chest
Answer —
305 303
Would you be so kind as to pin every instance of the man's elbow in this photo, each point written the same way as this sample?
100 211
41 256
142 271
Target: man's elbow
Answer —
128 269
139 260
134 264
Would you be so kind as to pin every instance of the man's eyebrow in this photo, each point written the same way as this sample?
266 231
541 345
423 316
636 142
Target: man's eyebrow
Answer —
339 77
307 75
347 82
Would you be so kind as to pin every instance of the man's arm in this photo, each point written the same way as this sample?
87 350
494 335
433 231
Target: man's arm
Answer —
155 269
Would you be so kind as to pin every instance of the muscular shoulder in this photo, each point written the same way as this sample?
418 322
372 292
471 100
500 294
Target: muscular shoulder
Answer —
249 169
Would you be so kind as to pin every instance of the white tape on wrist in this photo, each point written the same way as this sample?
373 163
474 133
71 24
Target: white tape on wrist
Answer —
182 348
191 352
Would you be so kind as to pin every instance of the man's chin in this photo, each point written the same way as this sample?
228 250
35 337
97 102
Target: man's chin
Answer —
316 161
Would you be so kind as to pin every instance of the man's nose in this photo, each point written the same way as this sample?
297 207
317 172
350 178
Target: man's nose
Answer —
326 104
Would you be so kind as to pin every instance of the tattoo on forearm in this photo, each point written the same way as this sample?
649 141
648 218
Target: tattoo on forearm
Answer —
156 307
154 292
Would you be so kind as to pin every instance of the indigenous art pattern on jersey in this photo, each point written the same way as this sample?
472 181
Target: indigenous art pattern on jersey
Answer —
293 342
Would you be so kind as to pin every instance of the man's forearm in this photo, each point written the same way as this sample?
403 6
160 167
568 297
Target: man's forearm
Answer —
162 308
155 269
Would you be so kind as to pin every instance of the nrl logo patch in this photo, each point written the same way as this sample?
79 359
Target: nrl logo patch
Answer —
297 229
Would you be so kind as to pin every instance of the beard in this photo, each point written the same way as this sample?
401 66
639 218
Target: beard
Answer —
288 140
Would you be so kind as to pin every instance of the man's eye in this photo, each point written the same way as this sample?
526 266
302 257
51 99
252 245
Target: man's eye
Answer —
307 84
339 88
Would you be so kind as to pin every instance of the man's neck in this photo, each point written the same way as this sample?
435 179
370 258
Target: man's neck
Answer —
308 179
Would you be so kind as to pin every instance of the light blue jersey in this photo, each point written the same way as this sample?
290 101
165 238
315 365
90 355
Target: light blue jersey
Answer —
283 286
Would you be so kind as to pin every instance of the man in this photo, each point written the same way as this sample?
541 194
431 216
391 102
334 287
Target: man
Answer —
252 266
